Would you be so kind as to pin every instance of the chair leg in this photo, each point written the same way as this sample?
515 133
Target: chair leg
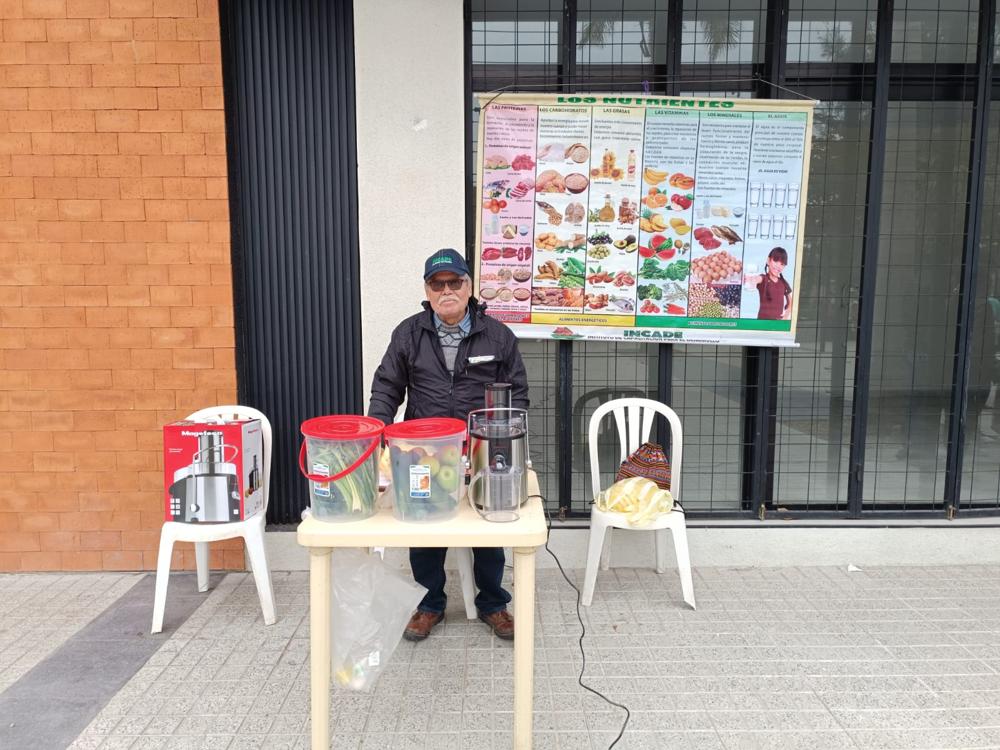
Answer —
261 573
380 551
679 532
598 529
162 578
606 551
660 537
201 563
468 579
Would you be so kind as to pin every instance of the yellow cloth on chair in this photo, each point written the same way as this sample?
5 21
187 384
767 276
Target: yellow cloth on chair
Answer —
637 498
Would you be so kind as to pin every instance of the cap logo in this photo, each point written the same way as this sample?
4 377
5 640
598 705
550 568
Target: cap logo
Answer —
440 259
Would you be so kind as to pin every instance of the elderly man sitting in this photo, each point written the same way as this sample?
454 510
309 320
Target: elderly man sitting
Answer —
441 361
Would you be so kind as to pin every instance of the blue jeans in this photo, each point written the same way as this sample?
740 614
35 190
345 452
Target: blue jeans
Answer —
427 564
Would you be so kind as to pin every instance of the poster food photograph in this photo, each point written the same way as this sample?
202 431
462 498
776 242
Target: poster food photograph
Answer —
618 218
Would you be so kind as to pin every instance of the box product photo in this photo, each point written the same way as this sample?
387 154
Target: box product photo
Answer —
212 470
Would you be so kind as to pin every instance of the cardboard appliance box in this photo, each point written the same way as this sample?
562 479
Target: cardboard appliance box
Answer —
212 471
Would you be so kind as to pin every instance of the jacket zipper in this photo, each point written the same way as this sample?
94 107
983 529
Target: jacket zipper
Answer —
440 352
451 396
451 390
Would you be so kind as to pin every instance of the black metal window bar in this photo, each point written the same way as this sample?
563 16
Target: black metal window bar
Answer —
888 405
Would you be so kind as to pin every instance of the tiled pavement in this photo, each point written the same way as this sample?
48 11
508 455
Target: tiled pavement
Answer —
773 658
39 611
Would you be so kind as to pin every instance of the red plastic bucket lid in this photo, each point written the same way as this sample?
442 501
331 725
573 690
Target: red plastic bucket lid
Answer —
343 427
425 429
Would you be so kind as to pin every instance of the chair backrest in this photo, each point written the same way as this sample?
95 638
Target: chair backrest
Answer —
245 412
593 398
634 418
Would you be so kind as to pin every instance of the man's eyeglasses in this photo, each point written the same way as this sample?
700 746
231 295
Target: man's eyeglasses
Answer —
453 284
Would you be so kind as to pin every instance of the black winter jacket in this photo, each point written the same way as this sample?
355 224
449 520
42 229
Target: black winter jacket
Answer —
415 362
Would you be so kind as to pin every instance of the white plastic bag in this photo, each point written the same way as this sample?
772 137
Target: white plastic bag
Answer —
639 499
372 603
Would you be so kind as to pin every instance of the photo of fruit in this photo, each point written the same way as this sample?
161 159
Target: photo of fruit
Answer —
664 247
653 176
627 243
655 198
681 181
681 201
679 225
652 222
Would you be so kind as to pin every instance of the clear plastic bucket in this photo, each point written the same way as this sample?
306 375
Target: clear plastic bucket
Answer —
339 457
428 475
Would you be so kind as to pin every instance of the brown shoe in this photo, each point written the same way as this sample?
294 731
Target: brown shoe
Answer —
420 625
501 622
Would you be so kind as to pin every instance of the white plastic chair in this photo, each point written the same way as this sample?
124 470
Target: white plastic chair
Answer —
251 530
632 433
468 578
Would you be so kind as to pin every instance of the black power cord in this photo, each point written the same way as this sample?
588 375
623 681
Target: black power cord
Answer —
583 628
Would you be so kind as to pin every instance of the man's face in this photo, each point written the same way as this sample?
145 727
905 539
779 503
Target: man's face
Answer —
448 303
775 266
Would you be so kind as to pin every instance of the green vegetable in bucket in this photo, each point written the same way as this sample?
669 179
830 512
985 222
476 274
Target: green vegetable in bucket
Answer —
354 493
339 457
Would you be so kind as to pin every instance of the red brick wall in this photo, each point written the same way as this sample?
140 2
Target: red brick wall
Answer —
115 292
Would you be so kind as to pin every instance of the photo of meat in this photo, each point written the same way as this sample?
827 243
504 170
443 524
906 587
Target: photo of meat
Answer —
713 237
557 297
496 161
551 152
550 181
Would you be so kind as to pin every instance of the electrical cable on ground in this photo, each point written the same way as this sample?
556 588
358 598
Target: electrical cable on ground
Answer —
583 628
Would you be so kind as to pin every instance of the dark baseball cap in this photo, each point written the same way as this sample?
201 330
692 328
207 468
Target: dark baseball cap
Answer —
445 259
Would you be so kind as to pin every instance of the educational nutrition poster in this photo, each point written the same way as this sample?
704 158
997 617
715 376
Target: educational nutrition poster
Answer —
623 218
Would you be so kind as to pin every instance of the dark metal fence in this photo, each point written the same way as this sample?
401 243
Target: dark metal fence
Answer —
889 403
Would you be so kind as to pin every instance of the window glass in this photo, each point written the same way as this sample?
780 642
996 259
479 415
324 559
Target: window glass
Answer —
923 210
615 33
816 381
516 32
722 32
934 31
831 31
981 469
